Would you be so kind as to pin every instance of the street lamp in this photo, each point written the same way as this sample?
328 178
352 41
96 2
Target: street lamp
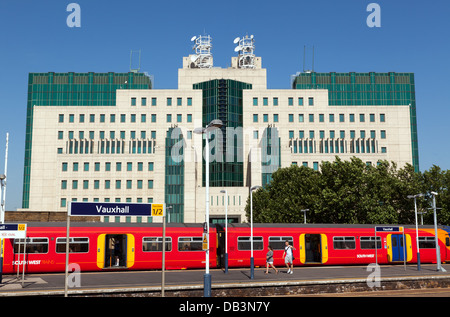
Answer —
438 253
205 131
224 191
304 214
417 229
252 263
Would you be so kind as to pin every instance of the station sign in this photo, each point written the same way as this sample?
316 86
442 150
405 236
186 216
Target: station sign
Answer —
13 231
389 229
109 209
158 210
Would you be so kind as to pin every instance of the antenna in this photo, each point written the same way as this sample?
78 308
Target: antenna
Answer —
135 70
246 49
202 47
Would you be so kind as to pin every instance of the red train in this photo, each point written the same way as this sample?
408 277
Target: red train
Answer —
106 246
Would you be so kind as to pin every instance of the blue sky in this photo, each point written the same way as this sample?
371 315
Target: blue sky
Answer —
413 37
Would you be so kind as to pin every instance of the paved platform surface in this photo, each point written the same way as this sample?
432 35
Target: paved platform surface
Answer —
136 281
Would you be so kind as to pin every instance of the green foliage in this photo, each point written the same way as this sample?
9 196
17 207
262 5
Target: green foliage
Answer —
352 192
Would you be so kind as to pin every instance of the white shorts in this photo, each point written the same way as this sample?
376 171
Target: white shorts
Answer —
270 263
288 259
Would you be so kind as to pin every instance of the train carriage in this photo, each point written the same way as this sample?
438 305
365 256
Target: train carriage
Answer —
116 246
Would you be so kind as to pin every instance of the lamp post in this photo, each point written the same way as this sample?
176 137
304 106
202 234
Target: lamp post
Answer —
252 262
2 207
417 229
224 191
304 215
205 131
438 253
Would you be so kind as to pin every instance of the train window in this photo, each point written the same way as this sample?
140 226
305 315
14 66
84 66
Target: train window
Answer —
34 245
342 243
154 244
76 245
190 244
245 244
427 243
278 243
369 242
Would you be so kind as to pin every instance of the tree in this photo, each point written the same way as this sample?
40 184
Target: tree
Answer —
351 192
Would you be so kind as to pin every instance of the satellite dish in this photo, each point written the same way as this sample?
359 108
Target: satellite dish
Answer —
194 58
237 49
193 38
236 40
251 36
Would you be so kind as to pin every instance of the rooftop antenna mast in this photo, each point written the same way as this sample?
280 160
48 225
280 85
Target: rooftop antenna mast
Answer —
135 70
246 49
202 47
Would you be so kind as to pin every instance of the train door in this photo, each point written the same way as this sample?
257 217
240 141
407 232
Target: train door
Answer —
398 245
115 251
313 248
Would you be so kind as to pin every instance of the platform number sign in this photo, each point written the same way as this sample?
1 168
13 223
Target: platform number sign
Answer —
158 210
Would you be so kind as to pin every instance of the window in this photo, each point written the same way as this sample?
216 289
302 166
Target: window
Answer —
74 184
169 101
61 118
321 118
361 117
342 134
118 166
179 118
143 101
427 243
122 118
383 149
92 118
244 243
153 101
64 166
331 117
342 243
86 167
311 101
255 134
352 117
372 117
150 166
81 118
143 118
34 245
60 135
275 117
133 101
301 117
300 101
75 167
63 184
311 117
71 117
129 166
129 184
291 117
278 243
290 101
255 118
118 184
369 243
382 117
102 118
153 117
383 134
189 118
275 101
179 101
255 101
76 245
133 118
265 101
189 101
150 184
265 118
154 244
291 134
169 118
108 166
190 244
341 117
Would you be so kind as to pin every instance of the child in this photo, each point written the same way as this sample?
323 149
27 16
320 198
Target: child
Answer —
269 260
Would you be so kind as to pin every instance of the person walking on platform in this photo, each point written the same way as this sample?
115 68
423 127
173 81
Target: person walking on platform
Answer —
289 257
269 260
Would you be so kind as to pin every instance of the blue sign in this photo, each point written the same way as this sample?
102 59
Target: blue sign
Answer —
109 209
389 229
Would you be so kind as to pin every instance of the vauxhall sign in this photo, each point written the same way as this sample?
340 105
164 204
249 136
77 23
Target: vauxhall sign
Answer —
109 209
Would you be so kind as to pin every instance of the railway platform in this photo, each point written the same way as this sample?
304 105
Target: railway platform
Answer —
235 283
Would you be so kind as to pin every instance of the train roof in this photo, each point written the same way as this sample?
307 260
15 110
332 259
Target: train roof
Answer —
230 225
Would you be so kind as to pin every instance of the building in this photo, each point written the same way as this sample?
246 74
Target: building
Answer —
112 138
